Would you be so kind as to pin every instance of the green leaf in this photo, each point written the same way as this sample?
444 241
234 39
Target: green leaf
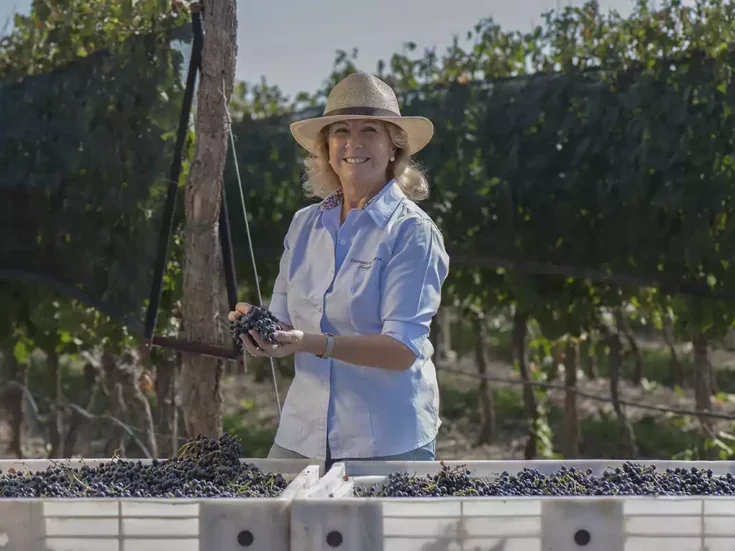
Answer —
21 353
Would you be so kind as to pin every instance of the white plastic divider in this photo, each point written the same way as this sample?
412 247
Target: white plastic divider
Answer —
153 524
328 517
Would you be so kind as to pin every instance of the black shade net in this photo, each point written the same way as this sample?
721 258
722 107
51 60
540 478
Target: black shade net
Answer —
86 156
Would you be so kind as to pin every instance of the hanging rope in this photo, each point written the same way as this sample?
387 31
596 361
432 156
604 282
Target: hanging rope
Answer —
247 231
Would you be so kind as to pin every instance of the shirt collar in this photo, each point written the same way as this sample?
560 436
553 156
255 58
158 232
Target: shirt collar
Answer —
380 208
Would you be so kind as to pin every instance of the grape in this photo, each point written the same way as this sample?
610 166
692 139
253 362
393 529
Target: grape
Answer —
259 318
631 479
202 468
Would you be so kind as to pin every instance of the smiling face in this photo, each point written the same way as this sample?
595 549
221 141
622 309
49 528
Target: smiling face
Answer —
360 151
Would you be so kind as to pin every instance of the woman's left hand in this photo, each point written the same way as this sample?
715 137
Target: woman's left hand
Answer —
288 343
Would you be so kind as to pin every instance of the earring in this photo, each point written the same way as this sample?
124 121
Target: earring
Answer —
392 158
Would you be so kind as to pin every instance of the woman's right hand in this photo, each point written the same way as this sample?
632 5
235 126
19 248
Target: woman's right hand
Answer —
241 308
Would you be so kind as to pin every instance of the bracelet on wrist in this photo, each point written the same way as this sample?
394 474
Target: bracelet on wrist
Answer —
329 348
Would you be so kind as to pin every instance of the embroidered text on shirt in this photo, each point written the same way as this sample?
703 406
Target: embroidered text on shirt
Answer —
365 264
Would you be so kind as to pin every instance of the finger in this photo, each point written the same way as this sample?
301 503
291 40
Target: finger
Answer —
234 316
262 347
261 343
259 340
250 347
247 345
242 307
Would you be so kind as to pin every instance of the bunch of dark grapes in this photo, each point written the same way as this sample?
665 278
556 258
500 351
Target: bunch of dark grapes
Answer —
629 480
259 318
203 468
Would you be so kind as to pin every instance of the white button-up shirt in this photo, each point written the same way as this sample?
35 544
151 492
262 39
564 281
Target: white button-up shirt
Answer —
381 272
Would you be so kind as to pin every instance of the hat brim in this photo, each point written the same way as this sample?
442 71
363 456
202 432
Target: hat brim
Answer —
419 130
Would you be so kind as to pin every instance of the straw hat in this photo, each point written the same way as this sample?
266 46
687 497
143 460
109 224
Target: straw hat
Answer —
363 96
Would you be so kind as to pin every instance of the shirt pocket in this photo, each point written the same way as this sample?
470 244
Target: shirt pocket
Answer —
365 295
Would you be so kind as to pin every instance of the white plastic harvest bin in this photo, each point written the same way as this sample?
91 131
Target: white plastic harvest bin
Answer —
153 524
346 523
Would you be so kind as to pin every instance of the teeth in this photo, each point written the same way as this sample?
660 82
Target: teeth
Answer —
356 160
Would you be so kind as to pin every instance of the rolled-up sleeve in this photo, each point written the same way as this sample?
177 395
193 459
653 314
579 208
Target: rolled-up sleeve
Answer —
412 283
278 304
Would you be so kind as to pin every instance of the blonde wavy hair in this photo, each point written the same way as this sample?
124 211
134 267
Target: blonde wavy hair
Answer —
321 180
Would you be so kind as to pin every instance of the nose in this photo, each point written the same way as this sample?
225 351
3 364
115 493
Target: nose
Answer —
354 141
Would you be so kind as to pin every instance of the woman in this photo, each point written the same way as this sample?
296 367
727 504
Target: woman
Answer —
360 280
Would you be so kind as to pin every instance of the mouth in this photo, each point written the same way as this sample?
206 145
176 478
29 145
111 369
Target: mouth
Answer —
356 160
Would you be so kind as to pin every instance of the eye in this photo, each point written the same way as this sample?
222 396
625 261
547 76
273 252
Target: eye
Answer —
369 129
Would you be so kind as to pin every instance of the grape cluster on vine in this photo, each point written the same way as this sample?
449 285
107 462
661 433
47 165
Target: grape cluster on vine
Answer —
631 479
259 318
203 468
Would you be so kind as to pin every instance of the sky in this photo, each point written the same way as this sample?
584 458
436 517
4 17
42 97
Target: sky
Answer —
293 43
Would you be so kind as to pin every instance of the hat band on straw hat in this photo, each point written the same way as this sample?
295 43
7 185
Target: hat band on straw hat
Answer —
361 95
362 111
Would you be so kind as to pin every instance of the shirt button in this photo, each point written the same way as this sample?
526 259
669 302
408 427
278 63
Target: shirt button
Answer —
342 241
